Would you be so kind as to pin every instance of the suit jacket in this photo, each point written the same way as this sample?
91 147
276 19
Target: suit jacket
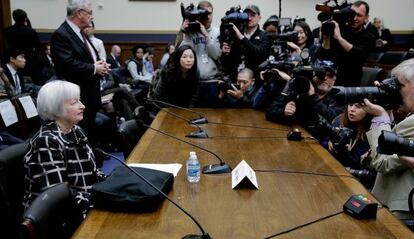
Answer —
11 80
394 179
74 63
22 37
114 62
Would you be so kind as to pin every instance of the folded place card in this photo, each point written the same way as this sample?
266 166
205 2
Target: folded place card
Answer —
243 176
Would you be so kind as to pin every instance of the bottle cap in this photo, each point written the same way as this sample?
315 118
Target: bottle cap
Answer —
192 153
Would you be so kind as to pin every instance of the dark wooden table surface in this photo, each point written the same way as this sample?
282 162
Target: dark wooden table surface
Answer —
283 201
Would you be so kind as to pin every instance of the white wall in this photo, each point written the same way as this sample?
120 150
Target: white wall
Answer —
164 16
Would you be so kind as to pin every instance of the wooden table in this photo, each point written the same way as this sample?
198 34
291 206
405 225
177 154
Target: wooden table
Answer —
283 201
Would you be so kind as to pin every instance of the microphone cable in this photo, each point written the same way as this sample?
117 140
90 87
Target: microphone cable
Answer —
288 171
305 224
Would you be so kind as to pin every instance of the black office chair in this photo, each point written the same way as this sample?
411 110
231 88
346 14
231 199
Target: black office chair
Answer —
11 189
393 57
130 135
371 74
374 57
53 214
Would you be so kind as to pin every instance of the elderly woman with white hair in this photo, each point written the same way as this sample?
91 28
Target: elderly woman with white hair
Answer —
60 151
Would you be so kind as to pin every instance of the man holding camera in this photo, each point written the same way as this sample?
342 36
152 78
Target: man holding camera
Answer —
349 45
249 49
293 106
242 97
206 46
395 176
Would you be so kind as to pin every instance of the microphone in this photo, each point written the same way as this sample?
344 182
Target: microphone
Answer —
222 167
200 120
200 134
204 235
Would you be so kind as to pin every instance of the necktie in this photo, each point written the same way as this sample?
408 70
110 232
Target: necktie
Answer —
85 42
17 83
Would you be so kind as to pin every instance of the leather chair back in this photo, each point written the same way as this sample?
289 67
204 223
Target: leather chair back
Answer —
11 189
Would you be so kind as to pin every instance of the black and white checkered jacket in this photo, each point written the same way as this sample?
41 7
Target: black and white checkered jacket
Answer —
55 157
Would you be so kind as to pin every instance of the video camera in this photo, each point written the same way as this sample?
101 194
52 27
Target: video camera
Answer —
236 16
339 137
303 77
391 143
341 13
270 64
387 94
193 15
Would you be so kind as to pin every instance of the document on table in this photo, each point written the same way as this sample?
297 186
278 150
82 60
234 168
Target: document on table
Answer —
173 168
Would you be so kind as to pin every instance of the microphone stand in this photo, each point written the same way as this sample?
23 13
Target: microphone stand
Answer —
204 234
200 120
201 134
222 167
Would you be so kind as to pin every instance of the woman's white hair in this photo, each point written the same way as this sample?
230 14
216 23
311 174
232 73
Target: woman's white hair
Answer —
52 96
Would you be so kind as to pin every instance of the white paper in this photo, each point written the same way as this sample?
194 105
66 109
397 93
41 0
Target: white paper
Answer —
243 172
28 106
173 168
107 98
8 113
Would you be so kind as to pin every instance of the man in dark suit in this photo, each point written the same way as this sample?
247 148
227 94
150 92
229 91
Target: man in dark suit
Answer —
113 57
15 63
23 37
77 61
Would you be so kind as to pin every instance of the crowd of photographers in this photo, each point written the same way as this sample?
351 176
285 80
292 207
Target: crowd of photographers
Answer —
299 79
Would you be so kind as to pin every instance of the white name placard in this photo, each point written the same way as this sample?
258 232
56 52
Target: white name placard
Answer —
243 175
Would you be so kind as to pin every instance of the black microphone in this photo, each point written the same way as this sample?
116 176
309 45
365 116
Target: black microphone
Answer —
222 167
204 235
200 120
200 134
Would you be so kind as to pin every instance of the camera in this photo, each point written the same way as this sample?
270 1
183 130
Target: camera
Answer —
387 94
341 13
339 137
236 16
391 143
365 176
193 15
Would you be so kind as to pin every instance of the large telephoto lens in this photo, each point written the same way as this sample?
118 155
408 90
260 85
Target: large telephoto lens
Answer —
391 143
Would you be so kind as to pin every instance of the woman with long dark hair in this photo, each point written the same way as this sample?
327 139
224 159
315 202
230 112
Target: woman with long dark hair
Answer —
304 40
179 80
359 121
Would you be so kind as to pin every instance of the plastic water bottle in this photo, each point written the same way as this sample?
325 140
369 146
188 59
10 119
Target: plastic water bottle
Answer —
193 168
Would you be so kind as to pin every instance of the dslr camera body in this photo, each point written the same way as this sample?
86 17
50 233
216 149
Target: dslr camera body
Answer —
341 13
193 15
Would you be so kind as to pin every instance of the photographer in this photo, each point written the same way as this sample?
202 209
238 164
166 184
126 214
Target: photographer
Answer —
304 40
349 45
249 48
207 48
240 97
395 176
358 120
303 107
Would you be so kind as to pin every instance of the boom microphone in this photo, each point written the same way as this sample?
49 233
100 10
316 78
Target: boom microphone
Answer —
201 134
200 120
204 235
222 167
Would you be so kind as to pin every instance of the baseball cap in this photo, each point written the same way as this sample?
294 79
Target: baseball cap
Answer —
328 65
252 8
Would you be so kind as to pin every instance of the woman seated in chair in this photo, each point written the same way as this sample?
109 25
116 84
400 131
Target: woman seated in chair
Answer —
60 151
178 83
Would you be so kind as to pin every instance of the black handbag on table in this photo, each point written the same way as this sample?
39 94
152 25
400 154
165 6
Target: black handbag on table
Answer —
124 191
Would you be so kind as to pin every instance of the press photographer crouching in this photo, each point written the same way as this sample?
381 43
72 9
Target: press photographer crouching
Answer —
350 144
240 95
395 176
305 96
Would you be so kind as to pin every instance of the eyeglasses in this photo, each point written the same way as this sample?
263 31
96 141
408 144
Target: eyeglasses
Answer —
88 12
